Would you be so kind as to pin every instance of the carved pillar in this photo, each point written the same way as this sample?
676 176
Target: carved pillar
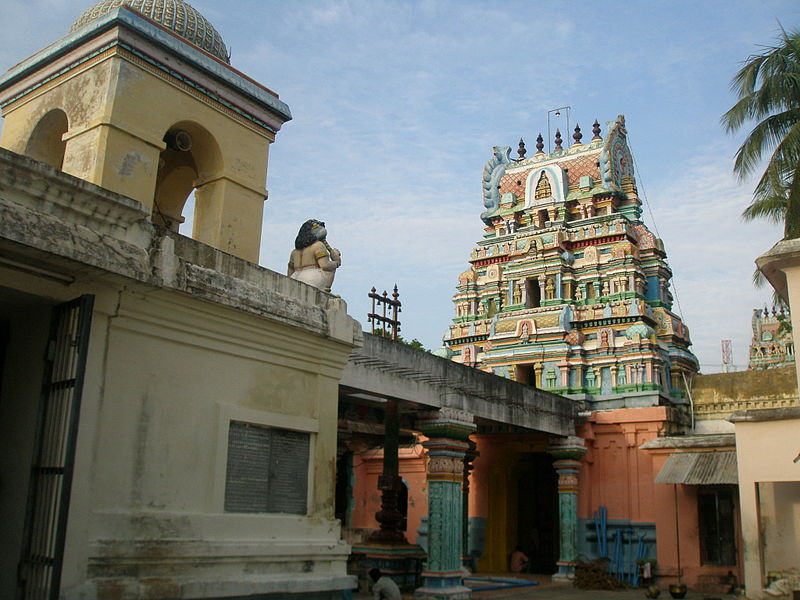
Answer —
567 452
447 431
542 282
389 483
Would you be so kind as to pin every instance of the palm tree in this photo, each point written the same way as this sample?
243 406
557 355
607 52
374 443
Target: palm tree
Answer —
768 87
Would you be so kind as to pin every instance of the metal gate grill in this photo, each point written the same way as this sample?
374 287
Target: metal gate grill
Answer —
39 573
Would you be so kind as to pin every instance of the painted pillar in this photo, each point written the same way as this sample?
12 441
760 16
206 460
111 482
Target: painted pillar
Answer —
537 374
578 377
447 431
564 370
567 452
568 293
471 454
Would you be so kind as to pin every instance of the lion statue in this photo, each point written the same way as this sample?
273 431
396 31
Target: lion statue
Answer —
313 261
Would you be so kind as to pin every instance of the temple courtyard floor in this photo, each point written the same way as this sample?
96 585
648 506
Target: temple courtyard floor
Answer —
547 590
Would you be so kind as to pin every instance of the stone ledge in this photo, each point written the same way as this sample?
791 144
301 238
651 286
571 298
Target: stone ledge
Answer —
50 214
765 414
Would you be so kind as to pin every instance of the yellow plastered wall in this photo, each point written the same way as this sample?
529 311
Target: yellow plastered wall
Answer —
769 489
119 109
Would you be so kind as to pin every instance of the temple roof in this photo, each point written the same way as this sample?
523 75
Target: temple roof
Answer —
176 15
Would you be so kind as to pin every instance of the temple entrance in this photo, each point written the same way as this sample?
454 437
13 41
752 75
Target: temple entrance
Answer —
537 512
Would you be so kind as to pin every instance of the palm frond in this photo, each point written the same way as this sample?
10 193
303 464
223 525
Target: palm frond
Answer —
768 90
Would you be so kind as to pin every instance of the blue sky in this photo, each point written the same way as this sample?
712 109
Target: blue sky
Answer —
397 106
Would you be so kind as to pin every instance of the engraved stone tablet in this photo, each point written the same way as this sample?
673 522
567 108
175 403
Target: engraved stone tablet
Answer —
267 470
288 475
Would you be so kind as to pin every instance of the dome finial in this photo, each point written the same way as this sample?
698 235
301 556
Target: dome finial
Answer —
596 131
539 144
558 141
521 150
577 136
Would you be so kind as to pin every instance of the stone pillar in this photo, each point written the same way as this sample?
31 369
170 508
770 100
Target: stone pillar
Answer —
389 482
567 452
542 280
447 431
469 458
387 548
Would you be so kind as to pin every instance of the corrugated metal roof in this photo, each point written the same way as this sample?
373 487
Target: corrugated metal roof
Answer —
700 468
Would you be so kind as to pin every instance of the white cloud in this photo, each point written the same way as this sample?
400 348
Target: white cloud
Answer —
712 251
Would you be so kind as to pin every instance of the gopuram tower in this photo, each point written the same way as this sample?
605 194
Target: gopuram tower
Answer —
568 290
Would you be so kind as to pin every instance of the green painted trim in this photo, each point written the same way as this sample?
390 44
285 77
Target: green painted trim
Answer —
636 387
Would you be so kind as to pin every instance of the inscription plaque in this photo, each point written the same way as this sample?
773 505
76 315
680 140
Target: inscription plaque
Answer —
267 469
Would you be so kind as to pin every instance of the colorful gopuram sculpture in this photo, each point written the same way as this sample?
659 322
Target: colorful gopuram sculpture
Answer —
772 344
569 290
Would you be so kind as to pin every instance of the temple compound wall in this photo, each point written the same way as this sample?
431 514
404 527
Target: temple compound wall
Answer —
718 395
168 413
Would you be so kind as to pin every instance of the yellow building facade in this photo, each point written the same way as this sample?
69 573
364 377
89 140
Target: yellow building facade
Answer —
168 414
126 103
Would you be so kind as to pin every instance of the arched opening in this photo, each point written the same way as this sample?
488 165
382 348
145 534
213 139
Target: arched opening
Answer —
46 143
190 161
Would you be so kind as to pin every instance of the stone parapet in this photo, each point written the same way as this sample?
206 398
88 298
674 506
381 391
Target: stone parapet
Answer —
90 228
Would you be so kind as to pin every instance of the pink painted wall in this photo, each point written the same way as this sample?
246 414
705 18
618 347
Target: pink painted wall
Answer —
615 473
367 497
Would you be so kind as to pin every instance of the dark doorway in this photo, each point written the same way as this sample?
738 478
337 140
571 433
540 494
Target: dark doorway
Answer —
537 511
717 526
344 487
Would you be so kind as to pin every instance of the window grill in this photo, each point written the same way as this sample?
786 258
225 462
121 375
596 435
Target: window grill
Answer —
39 572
